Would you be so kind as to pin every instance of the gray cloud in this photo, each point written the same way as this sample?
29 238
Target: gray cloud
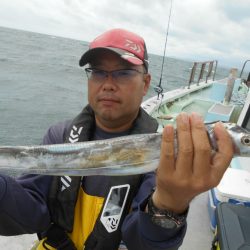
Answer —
204 29
237 11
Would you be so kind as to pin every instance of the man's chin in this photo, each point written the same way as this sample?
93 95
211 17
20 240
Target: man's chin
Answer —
108 116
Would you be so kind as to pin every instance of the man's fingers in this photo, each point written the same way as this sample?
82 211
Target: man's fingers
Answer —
167 159
202 148
185 146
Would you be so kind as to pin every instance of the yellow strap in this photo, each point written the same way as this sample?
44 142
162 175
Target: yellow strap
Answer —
86 212
39 246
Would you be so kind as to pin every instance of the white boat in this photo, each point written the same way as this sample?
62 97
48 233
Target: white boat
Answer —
225 100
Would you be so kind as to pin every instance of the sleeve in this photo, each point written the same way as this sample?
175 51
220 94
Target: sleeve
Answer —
138 232
23 206
23 200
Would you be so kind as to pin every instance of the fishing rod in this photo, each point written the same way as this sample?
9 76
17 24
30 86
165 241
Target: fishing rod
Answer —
158 88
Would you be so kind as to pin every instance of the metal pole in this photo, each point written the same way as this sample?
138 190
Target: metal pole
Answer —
230 85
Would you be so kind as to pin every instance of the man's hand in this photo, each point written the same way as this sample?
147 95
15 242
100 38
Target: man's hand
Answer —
194 170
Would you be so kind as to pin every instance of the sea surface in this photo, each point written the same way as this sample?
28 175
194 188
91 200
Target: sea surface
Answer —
41 82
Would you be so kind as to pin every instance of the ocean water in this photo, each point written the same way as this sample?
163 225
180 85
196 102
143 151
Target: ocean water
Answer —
41 82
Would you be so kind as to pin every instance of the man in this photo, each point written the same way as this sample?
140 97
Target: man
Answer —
101 212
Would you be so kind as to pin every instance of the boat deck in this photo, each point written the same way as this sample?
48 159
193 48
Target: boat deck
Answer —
199 234
207 99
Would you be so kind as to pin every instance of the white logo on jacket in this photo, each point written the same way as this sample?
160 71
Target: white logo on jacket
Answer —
73 137
114 206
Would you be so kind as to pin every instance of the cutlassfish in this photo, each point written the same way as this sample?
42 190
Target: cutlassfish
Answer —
127 155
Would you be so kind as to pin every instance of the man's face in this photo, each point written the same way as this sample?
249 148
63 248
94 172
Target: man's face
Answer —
116 103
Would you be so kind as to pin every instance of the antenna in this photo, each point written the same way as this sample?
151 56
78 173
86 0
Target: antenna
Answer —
158 88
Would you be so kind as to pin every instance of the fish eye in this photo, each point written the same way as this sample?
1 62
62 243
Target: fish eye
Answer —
245 140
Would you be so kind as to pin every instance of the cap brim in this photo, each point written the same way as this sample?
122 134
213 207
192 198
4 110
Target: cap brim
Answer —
90 54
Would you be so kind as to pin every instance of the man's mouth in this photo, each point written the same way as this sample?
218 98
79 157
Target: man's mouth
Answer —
108 100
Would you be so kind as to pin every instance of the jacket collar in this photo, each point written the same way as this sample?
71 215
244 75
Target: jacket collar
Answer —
84 124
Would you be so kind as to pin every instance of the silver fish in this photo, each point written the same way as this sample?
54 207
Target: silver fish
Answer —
239 135
127 155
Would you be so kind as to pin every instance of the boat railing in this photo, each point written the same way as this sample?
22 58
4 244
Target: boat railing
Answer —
242 70
201 69
247 81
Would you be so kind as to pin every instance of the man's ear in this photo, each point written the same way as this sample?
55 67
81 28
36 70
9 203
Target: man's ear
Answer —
147 80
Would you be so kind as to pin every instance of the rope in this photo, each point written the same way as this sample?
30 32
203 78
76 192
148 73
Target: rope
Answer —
158 89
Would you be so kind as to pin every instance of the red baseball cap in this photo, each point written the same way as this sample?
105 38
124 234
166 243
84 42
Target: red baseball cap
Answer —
130 46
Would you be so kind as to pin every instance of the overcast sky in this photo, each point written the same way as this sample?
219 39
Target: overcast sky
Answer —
199 29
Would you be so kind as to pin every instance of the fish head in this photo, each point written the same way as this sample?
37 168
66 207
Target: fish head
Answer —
241 139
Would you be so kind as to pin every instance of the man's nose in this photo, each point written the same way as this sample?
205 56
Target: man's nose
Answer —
109 82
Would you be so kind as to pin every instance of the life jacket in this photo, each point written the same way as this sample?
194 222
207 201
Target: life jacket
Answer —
64 193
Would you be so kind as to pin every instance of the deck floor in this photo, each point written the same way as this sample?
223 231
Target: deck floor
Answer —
199 233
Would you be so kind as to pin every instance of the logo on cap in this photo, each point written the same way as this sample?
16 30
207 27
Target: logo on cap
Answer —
130 44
